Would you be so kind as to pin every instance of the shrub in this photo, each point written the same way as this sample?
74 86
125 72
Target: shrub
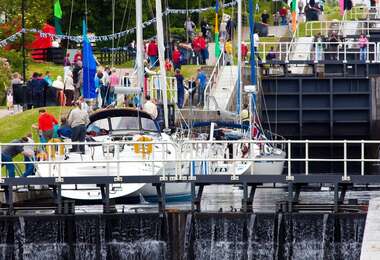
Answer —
5 76
14 58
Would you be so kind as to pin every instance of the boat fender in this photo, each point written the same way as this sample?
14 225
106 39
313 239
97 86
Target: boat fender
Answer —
144 149
51 149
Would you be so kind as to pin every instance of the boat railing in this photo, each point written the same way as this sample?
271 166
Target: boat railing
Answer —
213 79
209 154
326 28
340 51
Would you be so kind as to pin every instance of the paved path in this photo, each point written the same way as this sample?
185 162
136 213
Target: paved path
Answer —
4 113
224 89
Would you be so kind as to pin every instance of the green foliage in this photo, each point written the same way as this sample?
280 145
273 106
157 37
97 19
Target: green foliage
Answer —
37 12
14 58
5 76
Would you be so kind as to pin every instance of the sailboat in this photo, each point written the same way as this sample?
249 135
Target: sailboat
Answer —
112 135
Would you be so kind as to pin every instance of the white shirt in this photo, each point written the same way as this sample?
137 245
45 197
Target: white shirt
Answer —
256 40
28 149
151 109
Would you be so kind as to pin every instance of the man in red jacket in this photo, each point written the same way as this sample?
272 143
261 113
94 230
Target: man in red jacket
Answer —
176 58
153 53
46 124
199 47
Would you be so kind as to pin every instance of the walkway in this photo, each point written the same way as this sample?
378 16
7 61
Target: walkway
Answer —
224 89
371 237
300 52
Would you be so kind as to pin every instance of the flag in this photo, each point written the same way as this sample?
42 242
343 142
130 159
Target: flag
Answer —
89 66
341 7
294 15
57 17
217 45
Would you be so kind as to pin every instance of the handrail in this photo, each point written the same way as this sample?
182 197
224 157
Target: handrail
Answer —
363 11
319 49
213 79
194 151
324 27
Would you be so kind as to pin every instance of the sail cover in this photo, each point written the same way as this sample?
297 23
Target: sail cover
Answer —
89 67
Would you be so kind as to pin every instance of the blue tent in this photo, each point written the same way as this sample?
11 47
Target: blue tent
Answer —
89 67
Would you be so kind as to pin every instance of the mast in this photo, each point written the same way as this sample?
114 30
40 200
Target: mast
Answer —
161 57
252 100
139 45
239 90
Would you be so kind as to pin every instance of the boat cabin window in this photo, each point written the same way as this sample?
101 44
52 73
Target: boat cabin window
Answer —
99 127
125 123
148 124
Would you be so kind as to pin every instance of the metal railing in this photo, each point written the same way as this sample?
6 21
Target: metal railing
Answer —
341 51
214 76
210 154
327 27
155 89
363 12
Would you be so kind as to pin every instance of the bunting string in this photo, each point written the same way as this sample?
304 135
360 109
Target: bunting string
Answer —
93 38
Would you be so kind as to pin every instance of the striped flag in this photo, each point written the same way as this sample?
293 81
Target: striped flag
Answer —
217 45
294 15
57 17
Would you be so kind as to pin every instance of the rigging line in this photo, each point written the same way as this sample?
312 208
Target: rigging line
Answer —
85 11
122 21
67 47
128 22
70 21
113 32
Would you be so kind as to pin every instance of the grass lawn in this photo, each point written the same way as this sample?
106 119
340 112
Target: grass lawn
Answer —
18 125
42 67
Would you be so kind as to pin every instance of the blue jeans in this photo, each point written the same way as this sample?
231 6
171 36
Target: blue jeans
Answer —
10 167
201 96
363 54
29 167
152 60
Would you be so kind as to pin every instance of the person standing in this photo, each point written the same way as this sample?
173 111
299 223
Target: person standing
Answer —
265 17
244 51
46 124
256 45
202 81
189 27
283 14
69 88
153 53
223 30
114 82
176 58
231 26
48 79
8 152
244 117
78 119
197 47
59 86
180 88
363 43
150 108
204 27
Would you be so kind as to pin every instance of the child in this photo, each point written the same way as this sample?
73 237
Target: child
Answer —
9 100
168 65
